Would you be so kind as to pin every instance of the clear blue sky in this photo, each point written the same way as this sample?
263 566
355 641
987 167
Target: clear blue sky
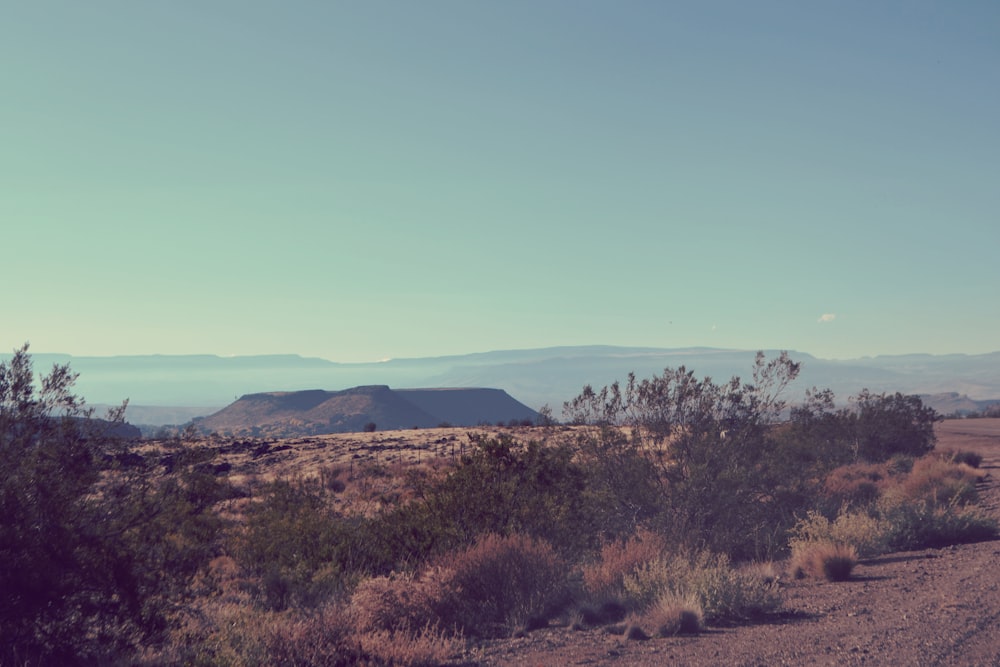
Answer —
362 180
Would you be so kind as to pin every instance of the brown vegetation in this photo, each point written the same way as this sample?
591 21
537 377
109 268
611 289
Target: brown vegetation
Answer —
669 511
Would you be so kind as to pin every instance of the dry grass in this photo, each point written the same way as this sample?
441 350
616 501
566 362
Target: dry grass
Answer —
233 635
674 615
723 592
832 561
938 482
867 534
970 458
425 647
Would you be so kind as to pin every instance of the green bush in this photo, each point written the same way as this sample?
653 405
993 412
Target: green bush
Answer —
289 546
502 486
923 524
887 425
95 555
238 636
705 462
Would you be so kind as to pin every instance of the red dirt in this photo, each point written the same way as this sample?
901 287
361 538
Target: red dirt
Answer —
930 608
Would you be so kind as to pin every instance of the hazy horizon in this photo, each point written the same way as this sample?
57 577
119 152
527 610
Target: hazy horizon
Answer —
34 352
388 180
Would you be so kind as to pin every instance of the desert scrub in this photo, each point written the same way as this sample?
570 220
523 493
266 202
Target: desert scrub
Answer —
426 647
503 583
923 524
971 459
724 593
231 635
933 506
833 561
854 486
672 615
937 482
604 578
866 533
400 602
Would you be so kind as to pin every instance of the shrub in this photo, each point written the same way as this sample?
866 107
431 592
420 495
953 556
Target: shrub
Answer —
937 482
867 534
728 593
604 578
971 459
886 425
855 485
401 602
503 582
502 486
832 561
727 478
673 614
923 524
289 544
235 636
724 593
94 554
652 579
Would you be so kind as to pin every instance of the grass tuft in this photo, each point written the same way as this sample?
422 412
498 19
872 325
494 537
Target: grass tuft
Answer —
832 561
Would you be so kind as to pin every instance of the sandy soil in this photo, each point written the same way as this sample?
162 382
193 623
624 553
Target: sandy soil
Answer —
930 608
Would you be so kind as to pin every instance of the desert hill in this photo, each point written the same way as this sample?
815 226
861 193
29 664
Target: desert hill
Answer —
313 412
953 403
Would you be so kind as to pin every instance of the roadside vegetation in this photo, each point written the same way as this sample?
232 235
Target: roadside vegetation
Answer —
678 503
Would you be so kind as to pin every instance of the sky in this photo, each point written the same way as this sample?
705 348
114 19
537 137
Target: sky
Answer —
367 180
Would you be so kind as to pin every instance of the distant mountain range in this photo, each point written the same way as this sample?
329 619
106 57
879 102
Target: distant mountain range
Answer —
287 414
192 385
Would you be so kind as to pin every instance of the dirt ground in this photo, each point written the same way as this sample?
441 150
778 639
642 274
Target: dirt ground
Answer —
930 608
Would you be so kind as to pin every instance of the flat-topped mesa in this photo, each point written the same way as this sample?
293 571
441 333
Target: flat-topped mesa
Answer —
316 411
